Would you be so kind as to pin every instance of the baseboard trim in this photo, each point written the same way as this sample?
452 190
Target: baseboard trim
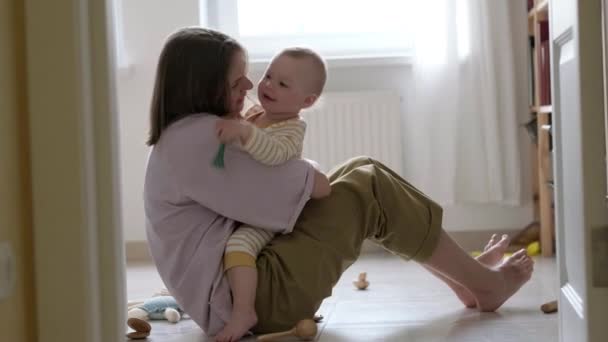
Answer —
138 252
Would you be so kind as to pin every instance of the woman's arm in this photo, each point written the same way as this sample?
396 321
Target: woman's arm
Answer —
244 190
321 188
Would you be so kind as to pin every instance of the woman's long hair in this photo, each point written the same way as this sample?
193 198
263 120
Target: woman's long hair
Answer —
191 77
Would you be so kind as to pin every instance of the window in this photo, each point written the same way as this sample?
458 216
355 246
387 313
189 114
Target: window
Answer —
335 28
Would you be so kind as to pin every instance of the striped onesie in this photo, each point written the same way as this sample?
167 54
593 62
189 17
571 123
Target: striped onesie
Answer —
272 145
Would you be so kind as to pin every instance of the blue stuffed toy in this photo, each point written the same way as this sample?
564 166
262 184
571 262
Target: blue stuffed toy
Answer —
156 308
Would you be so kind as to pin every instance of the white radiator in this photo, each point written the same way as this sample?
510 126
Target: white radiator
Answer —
350 124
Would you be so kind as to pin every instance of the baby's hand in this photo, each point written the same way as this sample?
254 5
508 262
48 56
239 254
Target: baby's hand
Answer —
230 130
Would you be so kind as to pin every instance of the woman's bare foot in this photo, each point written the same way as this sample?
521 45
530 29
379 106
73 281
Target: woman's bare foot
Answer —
240 322
514 272
493 253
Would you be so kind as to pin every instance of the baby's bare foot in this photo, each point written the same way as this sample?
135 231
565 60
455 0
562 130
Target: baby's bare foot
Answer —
512 274
240 322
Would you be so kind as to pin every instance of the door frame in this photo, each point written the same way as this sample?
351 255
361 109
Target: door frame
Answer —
78 245
605 70
587 304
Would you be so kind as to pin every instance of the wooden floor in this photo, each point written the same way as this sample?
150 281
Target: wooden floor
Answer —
403 303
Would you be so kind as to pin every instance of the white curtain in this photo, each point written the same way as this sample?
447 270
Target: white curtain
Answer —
461 124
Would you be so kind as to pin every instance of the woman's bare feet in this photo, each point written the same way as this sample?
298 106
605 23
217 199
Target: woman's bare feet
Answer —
493 253
514 272
240 322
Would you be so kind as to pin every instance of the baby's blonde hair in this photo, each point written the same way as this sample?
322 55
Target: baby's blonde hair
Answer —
317 62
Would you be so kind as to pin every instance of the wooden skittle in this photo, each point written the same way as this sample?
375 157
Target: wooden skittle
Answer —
549 307
306 329
362 282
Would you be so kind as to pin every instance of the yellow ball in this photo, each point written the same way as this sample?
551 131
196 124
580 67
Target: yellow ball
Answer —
533 248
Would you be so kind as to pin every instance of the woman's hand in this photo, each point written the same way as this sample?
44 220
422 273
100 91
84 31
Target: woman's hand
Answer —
231 130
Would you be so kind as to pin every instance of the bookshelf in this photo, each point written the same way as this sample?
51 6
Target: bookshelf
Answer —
540 112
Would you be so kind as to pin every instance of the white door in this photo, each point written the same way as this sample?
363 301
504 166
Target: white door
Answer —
580 172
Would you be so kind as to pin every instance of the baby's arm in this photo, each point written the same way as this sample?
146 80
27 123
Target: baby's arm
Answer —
275 148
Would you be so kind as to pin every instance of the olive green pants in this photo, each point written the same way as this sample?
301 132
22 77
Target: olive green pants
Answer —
368 201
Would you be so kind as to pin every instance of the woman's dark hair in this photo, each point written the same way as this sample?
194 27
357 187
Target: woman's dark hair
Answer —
191 77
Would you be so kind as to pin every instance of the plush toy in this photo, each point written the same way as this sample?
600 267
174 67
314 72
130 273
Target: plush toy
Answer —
156 308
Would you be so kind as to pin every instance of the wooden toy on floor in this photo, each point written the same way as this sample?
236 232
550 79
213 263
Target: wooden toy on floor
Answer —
306 329
525 237
138 335
362 282
549 307
141 327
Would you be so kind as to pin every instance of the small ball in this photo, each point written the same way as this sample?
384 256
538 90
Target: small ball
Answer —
172 315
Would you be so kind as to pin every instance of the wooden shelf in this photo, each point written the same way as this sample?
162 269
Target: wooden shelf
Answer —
542 6
542 158
547 109
540 11
531 22
545 175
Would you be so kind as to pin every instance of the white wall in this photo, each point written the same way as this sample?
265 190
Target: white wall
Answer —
148 22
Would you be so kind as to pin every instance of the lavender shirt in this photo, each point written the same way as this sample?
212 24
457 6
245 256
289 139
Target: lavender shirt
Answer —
192 208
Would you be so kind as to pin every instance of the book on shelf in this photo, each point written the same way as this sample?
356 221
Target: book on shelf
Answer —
531 73
544 30
544 65
544 68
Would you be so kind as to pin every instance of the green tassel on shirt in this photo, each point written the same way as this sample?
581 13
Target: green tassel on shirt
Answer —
218 161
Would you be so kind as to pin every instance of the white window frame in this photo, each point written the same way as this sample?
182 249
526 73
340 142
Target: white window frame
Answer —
220 15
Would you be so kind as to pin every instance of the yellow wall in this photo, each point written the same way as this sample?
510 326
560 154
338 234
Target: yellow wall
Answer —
17 315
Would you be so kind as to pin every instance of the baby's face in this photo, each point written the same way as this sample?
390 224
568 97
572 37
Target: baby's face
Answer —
287 84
